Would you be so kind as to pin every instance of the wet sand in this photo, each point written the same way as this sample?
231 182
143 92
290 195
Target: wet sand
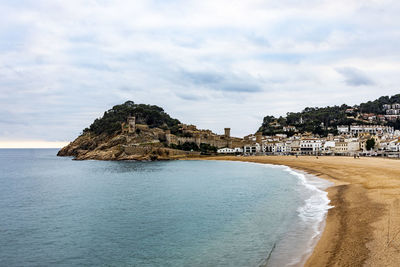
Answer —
363 228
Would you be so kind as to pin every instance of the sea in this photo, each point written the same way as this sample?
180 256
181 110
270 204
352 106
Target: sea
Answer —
56 211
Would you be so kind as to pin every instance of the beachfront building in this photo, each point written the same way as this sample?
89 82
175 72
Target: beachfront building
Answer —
351 142
394 146
340 148
328 147
252 149
226 150
277 147
347 147
281 148
310 146
268 147
238 150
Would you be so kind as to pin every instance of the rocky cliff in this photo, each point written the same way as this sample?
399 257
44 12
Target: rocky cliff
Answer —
121 147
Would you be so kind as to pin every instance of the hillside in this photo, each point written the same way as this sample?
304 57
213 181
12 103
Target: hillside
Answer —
324 120
136 132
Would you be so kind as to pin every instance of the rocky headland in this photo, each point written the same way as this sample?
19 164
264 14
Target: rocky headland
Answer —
143 132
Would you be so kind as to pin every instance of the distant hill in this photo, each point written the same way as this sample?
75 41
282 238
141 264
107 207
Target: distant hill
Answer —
324 120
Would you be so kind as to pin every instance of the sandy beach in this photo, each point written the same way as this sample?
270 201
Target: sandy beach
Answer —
363 228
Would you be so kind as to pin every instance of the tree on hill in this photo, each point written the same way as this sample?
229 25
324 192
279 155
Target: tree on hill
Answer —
312 119
325 120
376 106
370 144
151 115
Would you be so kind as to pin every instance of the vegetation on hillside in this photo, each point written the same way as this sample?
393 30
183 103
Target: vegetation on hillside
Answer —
191 146
322 121
316 120
370 144
376 106
151 115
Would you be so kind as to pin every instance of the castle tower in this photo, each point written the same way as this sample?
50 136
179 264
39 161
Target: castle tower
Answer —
227 132
168 136
258 137
131 124
197 139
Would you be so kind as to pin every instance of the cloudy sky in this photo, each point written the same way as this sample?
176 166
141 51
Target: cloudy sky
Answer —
212 63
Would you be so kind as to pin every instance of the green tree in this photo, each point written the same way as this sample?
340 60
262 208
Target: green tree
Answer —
370 144
151 115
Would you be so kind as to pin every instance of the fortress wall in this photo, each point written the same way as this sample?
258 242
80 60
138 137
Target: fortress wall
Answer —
144 150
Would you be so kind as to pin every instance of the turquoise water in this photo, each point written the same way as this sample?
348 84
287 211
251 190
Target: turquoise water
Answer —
57 211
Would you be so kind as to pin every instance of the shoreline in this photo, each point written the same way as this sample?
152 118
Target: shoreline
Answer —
311 216
363 228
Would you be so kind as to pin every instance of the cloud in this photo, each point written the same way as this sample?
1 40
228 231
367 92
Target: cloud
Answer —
202 78
63 63
227 82
246 88
190 96
354 77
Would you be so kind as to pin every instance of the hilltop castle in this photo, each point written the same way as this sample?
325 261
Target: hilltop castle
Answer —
188 134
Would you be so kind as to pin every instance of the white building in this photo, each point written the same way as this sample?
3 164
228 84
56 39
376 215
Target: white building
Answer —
394 146
353 146
238 150
386 106
328 146
252 149
289 128
372 129
226 150
310 145
343 129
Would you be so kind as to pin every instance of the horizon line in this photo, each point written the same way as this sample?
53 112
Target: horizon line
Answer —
26 144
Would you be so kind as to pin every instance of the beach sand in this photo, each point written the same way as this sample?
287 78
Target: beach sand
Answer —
363 228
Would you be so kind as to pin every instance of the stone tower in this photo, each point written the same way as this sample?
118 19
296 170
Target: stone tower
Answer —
131 124
258 137
168 136
227 132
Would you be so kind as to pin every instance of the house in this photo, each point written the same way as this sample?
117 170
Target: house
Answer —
226 150
371 129
386 106
289 128
328 147
295 146
310 146
394 146
252 149
343 129
238 150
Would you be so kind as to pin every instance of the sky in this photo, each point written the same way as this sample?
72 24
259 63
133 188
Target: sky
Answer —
211 63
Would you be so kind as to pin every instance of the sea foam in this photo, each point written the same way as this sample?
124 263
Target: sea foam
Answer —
314 210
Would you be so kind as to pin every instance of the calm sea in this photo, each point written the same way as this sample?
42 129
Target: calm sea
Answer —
57 211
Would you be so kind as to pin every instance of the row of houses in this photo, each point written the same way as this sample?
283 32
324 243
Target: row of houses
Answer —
371 129
385 138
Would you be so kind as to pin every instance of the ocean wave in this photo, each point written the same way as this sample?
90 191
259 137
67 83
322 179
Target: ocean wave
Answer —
314 210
